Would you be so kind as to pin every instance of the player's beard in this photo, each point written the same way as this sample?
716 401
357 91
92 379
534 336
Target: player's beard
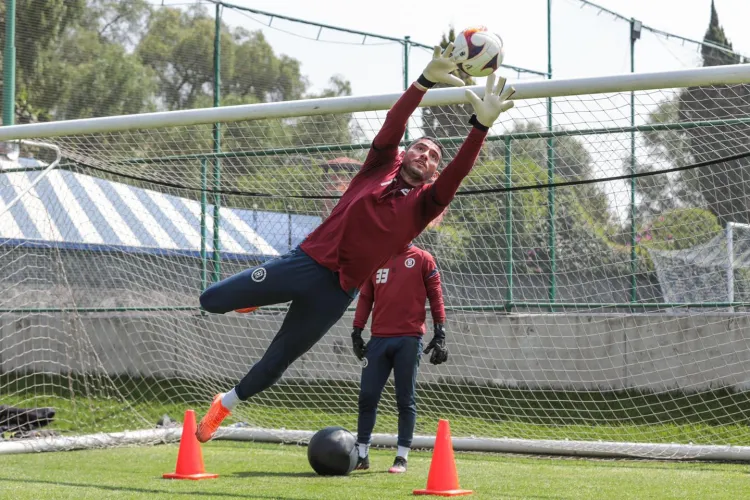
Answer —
415 174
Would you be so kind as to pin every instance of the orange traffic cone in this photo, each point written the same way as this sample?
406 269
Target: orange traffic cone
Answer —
190 457
443 478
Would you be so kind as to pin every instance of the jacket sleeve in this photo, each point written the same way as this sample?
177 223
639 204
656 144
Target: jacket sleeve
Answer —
364 305
385 145
434 288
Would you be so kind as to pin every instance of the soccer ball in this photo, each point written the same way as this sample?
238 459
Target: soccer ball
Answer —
332 452
477 52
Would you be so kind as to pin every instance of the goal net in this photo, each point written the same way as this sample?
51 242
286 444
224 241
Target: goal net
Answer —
716 271
573 264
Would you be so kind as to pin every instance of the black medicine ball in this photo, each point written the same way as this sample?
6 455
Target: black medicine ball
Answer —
333 452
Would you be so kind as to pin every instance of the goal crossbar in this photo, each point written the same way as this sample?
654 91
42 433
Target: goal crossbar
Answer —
716 75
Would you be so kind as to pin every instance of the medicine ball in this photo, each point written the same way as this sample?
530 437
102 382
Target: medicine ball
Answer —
332 452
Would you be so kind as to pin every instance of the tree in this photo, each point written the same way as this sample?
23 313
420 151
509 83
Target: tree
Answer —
99 78
325 129
723 185
720 187
72 61
179 46
117 21
714 40
39 26
259 72
659 193
572 159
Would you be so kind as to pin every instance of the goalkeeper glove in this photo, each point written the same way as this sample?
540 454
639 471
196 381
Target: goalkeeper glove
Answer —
437 346
358 344
440 68
495 102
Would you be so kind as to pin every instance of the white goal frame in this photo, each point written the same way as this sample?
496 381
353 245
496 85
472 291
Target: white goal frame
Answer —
730 258
628 82
717 75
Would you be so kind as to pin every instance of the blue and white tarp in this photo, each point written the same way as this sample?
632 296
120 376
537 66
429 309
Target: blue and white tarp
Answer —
71 210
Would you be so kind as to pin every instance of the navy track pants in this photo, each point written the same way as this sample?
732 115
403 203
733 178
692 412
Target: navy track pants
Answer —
400 354
317 303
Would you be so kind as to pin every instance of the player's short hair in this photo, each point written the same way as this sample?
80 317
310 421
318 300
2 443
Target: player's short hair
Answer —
433 140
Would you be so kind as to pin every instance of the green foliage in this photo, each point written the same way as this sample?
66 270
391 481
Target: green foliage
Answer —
325 129
473 233
720 187
95 71
86 58
39 25
296 179
116 21
571 159
679 229
179 46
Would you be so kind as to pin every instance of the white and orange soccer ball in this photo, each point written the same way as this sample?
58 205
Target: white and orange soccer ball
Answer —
477 51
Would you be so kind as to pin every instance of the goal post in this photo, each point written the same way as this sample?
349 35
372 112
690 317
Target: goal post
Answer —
730 230
716 271
564 335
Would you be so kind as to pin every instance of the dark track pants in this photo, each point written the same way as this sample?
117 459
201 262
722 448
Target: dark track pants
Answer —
318 301
400 354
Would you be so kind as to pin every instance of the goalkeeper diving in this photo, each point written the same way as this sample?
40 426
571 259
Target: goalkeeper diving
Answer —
390 201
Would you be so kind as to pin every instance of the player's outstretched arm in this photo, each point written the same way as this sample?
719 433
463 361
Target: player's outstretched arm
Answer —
486 110
438 70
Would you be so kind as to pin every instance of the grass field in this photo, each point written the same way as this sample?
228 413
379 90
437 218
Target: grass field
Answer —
708 417
282 472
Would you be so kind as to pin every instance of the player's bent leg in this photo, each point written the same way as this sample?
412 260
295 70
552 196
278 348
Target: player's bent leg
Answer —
318 303
272 282
309 318
375 372
405 367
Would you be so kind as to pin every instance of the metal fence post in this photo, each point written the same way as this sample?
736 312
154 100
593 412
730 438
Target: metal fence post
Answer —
9 64
217 148
407 42
509 222
551 169
635 34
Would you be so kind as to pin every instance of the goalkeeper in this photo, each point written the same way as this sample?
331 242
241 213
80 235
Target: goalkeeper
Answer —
399 290
388 203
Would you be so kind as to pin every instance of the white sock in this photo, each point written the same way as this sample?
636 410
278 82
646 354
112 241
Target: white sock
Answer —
403 452
364 449
230 400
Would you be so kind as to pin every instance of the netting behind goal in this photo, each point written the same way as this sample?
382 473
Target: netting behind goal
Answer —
564 319
716 271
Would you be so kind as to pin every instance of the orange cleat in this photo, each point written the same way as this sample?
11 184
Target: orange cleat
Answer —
245 310
212 420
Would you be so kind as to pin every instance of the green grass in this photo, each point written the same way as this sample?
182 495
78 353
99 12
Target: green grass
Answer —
281 472
93 405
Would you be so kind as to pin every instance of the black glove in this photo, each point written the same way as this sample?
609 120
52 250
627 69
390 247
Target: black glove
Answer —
358 345
437 346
